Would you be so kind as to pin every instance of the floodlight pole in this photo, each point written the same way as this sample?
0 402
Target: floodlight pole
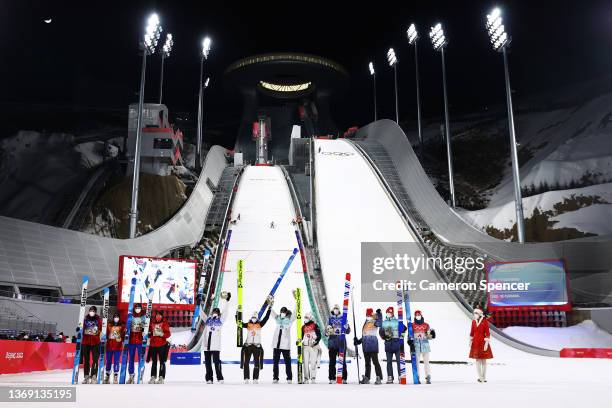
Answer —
418 96
200 116
449 150
396 96
136 175
518 198
161 77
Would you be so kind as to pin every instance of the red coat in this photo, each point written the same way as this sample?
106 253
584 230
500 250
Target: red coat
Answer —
115 334
479 333
137 328
158 333
92 326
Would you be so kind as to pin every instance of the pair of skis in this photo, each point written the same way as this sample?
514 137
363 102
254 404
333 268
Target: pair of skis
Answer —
77 353
128 331
196 312
145 336
102 357
297 294
345 307
277 283
403 300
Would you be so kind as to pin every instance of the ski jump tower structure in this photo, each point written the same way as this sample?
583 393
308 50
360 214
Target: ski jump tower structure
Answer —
279 91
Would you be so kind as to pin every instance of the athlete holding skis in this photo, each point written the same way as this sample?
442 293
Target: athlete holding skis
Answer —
252 345
311 336
281 342
420 344
92 326
159 332
391 332
335 343
114 343
135 346
212 339
369 342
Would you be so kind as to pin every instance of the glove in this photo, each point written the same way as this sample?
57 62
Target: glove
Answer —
432 334
411 345
270 300
347 329
228 297
356 341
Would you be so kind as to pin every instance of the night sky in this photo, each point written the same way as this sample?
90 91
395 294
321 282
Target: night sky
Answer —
88 55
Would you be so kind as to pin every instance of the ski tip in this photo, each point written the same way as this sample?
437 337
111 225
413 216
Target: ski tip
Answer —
133 281
106 290
348 276
295 251
85 279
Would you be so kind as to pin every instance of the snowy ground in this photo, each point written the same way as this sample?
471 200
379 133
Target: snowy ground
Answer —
521 383
585 334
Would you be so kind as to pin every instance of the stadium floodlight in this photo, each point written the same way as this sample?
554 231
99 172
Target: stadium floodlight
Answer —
165 53
500 42
439 42
392 59
206 82
149 43
373 75
206 45
438 39
413 36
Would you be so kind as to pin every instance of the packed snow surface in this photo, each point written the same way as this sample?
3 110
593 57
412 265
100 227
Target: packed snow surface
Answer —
583 335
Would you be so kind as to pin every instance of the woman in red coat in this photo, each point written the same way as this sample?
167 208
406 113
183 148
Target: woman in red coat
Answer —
480 348
159 332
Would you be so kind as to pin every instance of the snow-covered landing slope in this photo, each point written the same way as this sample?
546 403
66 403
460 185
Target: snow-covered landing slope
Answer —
263 197
352 207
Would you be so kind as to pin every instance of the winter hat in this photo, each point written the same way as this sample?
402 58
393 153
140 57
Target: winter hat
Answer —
308 316
217 311
418 312
137 305
336 306
95 309
478 311
284 309
390 310
369 312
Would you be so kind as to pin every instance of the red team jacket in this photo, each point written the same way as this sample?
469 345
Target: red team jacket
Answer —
137 328
114 335
158 333
92 326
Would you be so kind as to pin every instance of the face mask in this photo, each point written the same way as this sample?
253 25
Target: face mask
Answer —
476 316
370 318
389 315
92 314
253 319
137 310
417 317
336 311
116 320
215 315
306 320
283 315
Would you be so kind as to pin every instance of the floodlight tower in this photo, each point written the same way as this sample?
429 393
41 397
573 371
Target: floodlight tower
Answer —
439 42
500 41
148 45
392 59
413 37
166 50
373 75
206 44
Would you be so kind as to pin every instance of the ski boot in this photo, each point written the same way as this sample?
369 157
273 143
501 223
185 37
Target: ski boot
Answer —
255 381
152 380
364 380
130 380
220 381
389 380
208 382
115 378
93 379
275 381
313 381
246 381
378 380
289 381
86 380
331 381
107 379
428 379
160 380
344 382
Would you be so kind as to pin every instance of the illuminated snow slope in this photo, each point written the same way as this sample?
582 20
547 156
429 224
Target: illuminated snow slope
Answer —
263 197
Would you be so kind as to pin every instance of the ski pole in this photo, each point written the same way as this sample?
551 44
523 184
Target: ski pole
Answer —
355 333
